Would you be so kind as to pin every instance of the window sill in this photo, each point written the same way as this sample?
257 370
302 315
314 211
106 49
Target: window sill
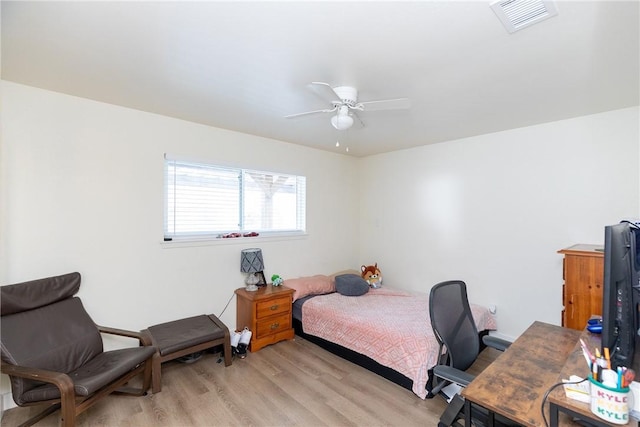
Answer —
187 242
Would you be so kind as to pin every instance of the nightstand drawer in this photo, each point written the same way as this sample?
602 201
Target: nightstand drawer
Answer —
273 307
273 325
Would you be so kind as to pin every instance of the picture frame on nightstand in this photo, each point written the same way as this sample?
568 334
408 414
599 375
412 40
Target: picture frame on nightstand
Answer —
261 280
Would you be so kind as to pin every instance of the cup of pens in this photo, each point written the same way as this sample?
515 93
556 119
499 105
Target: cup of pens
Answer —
609 400
609 388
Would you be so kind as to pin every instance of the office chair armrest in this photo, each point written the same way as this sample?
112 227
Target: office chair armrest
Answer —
497 343
453 375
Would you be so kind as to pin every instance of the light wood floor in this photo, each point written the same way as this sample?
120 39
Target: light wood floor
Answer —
292 383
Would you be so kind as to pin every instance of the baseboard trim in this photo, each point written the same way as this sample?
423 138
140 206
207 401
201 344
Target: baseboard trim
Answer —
7 402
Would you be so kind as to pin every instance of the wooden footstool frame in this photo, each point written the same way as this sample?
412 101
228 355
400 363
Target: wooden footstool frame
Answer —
185 336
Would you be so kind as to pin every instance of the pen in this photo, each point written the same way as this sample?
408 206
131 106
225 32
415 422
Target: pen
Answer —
620 378
587 354
599 374
606 356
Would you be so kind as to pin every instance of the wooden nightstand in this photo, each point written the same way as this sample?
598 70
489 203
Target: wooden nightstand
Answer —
267 313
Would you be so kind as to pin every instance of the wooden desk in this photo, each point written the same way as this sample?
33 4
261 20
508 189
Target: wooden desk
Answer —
515 383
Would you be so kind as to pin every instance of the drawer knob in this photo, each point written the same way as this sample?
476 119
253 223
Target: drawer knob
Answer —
274 307
275 326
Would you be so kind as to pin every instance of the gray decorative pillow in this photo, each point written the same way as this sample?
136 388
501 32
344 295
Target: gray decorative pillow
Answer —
351 285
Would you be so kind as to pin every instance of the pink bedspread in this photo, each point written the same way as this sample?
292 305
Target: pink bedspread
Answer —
390 326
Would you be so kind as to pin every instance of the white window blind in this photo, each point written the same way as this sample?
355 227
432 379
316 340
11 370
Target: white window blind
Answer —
204 200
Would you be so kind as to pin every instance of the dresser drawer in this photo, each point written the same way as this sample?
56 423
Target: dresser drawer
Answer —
273 325
273 307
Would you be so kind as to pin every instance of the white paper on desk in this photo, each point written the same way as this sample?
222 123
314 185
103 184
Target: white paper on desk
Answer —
578 391
635 391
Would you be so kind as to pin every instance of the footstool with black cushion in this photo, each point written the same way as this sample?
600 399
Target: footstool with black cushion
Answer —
179 338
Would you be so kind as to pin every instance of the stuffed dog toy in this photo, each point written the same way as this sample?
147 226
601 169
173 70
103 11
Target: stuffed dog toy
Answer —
372 275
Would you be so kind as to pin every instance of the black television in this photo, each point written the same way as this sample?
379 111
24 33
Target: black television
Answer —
621 293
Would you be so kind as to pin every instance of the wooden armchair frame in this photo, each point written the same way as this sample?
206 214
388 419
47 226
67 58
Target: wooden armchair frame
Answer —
71 405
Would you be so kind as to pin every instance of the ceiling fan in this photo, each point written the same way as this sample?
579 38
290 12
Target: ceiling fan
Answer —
345 105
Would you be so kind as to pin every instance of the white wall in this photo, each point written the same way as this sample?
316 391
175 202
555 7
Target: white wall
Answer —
493 210
83 191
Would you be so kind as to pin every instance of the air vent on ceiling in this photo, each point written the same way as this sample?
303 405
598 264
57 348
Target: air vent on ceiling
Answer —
518 14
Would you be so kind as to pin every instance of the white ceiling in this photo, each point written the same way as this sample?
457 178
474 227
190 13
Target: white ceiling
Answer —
245 65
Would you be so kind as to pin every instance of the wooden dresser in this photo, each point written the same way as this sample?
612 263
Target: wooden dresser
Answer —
583 274
267 313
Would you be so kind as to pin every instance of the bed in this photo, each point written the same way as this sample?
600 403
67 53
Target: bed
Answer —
385 330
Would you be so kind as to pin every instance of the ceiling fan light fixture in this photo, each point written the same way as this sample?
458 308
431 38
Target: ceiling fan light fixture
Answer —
342 120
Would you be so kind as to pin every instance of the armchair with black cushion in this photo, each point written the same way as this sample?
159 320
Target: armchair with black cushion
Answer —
53 352
456 332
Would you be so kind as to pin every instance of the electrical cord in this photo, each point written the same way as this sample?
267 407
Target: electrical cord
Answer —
233 355
546 395
225 307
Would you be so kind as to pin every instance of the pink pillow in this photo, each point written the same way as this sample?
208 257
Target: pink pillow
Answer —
310 285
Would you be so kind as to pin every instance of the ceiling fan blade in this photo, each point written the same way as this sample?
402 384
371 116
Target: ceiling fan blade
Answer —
387 104
326 110
325 91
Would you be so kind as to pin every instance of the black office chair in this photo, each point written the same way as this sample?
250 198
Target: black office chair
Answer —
456 332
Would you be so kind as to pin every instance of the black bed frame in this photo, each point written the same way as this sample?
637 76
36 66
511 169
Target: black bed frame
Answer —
365 361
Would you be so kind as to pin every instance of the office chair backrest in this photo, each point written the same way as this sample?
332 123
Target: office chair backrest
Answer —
44 326
453 323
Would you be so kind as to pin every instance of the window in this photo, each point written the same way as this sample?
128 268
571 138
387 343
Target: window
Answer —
204 200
